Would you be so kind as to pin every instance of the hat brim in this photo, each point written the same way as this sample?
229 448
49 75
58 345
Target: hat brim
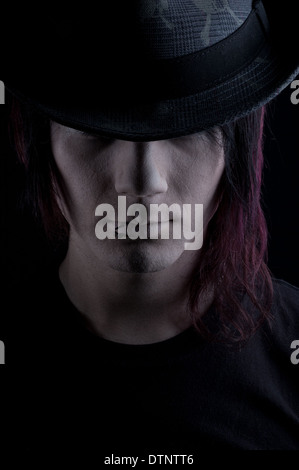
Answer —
252 88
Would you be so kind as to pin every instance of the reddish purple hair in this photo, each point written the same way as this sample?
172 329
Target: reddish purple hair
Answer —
234 254
30 135
233 257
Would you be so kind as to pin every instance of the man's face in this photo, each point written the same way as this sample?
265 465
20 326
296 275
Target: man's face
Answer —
94 171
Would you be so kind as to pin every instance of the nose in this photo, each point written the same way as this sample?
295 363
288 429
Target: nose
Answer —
139 171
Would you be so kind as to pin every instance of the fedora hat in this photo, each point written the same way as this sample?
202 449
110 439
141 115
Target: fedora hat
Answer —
151 69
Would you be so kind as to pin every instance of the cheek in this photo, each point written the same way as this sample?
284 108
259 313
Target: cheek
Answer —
83 172
211 193
205 180
213 179
201 178
83 183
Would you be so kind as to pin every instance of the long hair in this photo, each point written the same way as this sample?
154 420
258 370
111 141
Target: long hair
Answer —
29 132
234 254
233 257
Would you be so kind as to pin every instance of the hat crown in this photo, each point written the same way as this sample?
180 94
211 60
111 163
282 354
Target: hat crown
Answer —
161 29
175 28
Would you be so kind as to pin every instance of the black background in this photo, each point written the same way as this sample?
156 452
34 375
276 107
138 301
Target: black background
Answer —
23 249
281 186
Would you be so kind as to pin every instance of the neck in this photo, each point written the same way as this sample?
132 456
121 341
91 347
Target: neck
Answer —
130 308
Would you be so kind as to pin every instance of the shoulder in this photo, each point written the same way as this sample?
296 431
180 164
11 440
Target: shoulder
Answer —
286 302
284 326
286 294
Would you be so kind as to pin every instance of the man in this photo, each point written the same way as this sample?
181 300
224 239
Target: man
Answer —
141 343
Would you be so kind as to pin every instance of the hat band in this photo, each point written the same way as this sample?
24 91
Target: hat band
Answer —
175 78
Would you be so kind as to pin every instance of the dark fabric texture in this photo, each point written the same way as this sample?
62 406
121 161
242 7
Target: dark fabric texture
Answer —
68 390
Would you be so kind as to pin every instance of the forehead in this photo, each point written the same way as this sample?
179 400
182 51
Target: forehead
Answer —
213 134
76 147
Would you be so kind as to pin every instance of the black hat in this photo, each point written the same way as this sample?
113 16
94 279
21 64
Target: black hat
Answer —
152 69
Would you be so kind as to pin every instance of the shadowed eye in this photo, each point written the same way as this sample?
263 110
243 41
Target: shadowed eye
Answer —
97 137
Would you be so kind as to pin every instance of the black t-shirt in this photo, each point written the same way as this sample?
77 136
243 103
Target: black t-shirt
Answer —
69 389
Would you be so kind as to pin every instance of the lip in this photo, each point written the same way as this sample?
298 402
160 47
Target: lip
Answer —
149 222
159 221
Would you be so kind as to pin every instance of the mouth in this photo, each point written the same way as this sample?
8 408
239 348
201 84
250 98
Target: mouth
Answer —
153 223
141 224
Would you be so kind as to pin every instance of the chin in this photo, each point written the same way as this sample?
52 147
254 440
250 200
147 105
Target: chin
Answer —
146 258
